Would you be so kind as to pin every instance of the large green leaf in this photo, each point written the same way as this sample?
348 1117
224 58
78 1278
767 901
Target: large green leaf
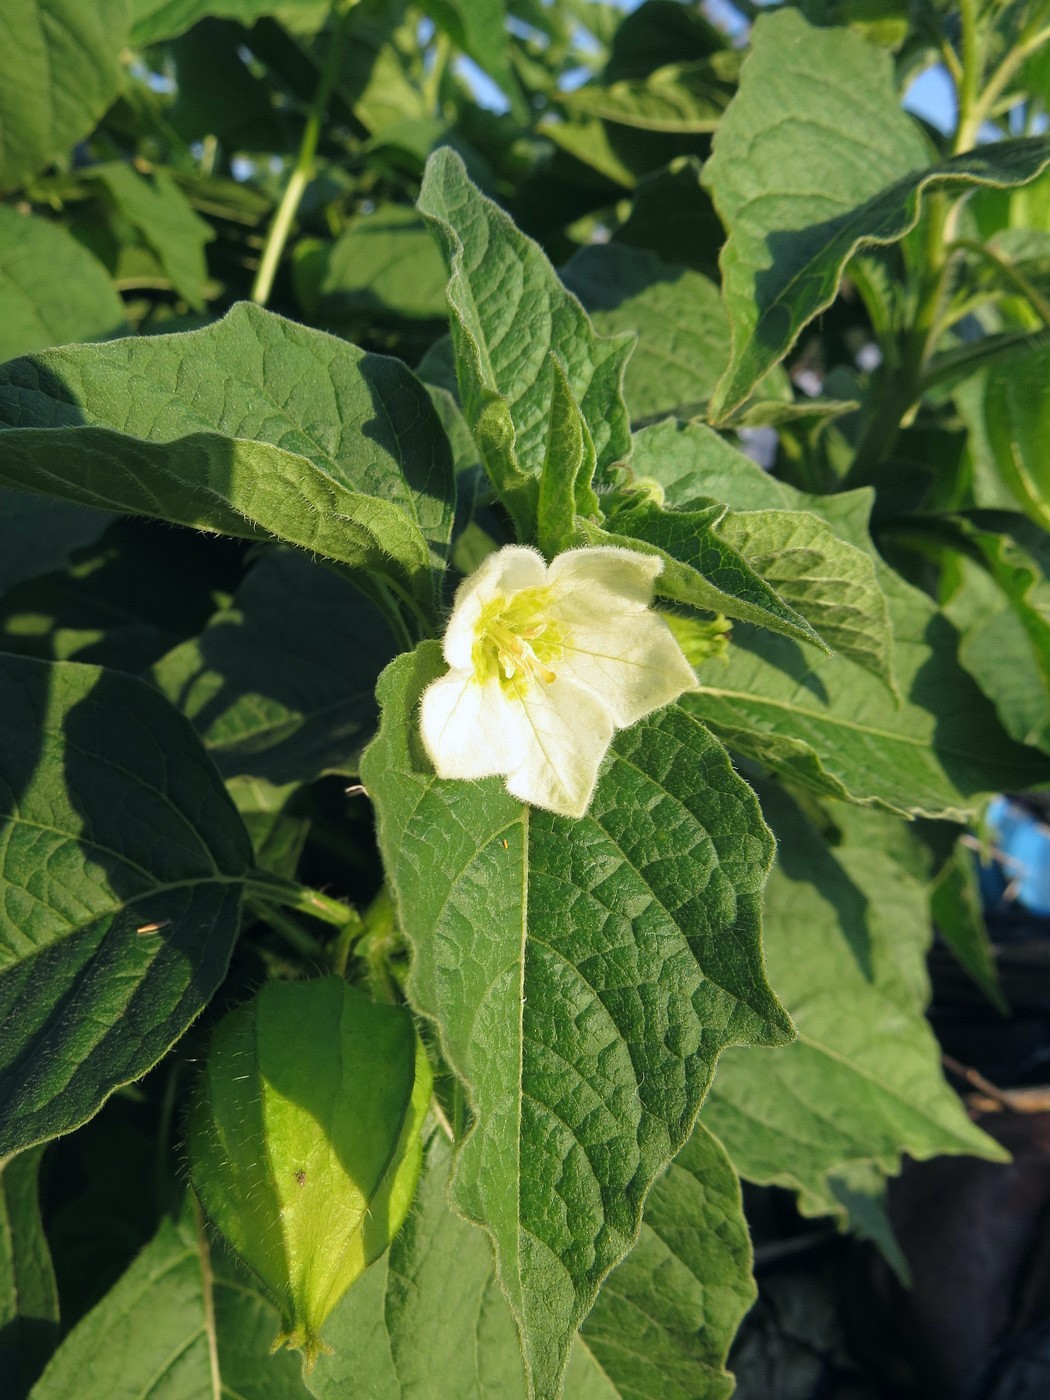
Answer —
35 256
847 930
833 727
281 686
182 1321
583 977
683 338
112 820
159 212
28 1294
253 426
429 1320
509 311
59 71
799 196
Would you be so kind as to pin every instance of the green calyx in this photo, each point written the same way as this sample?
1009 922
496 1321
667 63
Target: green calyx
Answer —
304 1141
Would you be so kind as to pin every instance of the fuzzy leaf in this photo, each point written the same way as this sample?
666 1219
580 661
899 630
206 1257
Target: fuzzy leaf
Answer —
583 977
121 868
253 426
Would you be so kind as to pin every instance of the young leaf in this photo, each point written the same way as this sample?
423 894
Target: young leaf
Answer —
119 889
281 685
812 564
509 312
253 426
799 197
568 469
28 1294
34 256
700 569
59 70
583 976
847 931
181 1321
834 728
304 1140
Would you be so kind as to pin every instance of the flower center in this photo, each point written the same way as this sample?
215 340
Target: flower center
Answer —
516 642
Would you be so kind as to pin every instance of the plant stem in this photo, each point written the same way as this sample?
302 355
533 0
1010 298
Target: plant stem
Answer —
289 929
284 216
973 116
273 890
1010 274
969 81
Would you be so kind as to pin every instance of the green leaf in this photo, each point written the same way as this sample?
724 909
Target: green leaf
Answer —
429 1320
28 1293
1016 423
583 977
383 266
38 535
672 216
158 211
955 903
568 470
1002 610
112 820
847 929
253 426
509 312
810 562
700 569
281 685
304 1140
479 28
683 338
155 20
35 257
832 727
800 197
59 71
181 1321
113 605
832 584
681 97
665 1317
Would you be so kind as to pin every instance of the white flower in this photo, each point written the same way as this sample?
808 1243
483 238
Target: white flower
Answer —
547 662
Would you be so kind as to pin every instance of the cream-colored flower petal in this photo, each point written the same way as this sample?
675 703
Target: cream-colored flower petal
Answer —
622 572
633 664
570 730
504 572
470 730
